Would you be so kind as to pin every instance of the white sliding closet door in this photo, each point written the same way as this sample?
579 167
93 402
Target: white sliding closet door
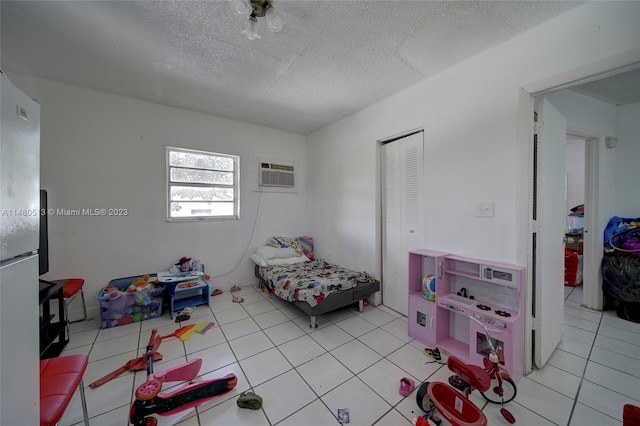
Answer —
402 215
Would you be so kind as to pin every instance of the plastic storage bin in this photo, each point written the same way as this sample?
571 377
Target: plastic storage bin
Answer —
575 224
123 307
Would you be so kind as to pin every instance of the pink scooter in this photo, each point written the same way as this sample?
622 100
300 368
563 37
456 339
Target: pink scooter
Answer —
149 399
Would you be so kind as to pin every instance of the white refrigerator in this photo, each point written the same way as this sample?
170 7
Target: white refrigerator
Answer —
19 240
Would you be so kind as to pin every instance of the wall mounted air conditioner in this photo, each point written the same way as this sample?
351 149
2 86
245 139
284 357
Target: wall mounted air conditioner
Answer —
277 175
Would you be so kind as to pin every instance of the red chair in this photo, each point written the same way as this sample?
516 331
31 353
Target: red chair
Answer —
72 287
630 415
59 378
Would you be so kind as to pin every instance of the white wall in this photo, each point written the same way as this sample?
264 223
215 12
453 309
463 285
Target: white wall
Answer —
619 173
102 150
476 148
584 113
106 151
627 169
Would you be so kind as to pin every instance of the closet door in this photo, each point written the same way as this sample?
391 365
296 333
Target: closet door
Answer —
402 215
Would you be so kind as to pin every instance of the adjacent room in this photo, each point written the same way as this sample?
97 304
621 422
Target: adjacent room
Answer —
320 212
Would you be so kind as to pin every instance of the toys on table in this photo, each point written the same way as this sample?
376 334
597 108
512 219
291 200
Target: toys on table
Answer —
185 266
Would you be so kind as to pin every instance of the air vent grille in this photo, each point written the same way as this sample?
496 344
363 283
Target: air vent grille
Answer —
277 175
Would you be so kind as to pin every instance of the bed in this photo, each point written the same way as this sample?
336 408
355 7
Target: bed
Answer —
288 269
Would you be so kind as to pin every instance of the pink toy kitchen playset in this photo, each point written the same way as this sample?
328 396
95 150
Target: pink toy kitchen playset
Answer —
490 292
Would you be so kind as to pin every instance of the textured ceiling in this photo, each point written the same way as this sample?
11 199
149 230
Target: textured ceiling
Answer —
332 58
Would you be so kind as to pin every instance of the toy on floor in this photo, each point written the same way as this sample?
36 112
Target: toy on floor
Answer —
421 421
491 380
343 415
184 333
249 400
406 386
150 400
136 364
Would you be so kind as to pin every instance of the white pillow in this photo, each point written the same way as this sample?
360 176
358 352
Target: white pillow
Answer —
270 253
289 261
258 260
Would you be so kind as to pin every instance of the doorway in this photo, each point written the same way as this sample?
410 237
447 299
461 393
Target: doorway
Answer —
595 130
552 200
575 162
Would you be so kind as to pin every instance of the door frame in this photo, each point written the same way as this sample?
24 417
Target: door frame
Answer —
592 297
524 154
378 298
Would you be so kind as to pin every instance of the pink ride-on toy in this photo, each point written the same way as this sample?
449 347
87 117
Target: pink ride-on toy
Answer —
456 407
149 399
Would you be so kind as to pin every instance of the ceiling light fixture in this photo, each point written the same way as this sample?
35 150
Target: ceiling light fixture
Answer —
254 9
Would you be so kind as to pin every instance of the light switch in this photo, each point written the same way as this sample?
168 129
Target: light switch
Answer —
484 209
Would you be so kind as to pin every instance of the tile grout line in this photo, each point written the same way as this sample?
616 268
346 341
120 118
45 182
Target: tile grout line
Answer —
237 361
294 368
196 413
588 359
275 346
242 369
354 375
352 338
197 410
584 371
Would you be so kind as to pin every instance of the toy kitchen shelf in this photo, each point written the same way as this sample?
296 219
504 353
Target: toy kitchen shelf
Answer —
490 292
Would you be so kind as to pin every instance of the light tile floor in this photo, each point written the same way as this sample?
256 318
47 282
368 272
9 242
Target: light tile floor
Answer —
352 360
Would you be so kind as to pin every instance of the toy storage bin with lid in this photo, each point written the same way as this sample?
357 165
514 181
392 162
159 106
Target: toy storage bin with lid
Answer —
123 307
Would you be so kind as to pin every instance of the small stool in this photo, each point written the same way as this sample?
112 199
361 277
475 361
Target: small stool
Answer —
72 287
59 378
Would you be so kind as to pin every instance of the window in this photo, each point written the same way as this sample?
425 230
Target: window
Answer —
202 185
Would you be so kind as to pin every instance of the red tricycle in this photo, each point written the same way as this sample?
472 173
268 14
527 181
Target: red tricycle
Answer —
149 399
492 380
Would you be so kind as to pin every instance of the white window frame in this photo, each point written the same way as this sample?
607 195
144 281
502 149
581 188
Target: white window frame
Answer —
235 185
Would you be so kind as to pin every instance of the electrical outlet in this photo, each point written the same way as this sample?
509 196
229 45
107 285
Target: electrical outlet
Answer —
484 209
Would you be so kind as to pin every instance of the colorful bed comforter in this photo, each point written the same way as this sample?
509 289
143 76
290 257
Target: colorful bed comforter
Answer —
310 281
